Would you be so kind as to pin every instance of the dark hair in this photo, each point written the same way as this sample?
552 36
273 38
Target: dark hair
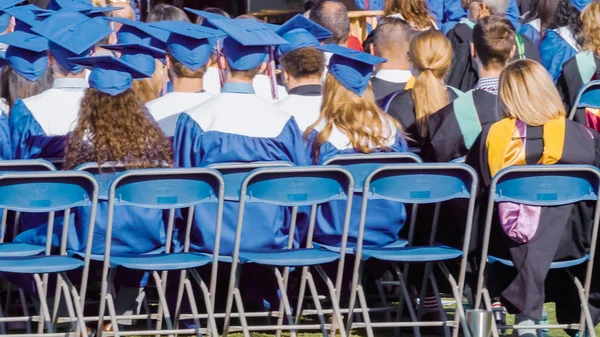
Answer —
392 34
369 41
136 140
213 10
304 62
166 12
15 86
180 71
568 16
333 19
494 39
545 10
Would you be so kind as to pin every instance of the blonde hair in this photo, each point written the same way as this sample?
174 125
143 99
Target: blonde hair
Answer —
591 26
366 125
431 54
527 93
149 89
415 12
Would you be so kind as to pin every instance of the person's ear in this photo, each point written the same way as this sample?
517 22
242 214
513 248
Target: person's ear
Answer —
168 62
473 53
513 50
286 76
51 59
373 50
263 67
11 25
484 11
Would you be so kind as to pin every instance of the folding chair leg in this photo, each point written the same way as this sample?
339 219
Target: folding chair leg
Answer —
81 328
365 310
356 279
103 298
144 299
423 290
9 289
113 314
284 298
2 327
68 302
57 298
212 324
405 297
25 310
384 302
589 323
44 312
180 290
286 275
315 296
233 284
162 302
338 321
488 306
163 279
240 307
301 294
192 302
438 299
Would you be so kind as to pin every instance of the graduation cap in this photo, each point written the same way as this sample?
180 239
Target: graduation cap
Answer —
300 32
26 54
133 31
109 74
5 17
27 16
71 34
245 46
190 44
580 4
142 56
350 67
83 6
208 17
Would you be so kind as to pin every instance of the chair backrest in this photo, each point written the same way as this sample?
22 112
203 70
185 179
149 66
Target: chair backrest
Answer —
104 175
234 173
296 187
26 165
587 97
361 165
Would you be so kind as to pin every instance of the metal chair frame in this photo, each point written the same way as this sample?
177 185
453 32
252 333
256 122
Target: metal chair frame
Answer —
579 95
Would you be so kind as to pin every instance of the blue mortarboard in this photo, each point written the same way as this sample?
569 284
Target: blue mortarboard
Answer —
140 32
351 67
580 4
71 34
5 17
110 74
142 56
83 6
190 44
208 17
26 16
246 42
26 54
301 32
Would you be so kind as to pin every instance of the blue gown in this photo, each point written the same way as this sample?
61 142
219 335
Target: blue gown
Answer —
531 30
238 126
5 149
384 220
39 124
449 13
556 48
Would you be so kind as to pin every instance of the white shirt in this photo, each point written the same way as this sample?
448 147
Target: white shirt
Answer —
394 76
166 109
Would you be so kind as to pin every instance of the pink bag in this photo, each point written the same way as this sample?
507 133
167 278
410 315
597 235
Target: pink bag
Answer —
519 222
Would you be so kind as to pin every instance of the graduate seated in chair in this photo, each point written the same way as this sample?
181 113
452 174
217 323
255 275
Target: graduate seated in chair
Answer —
430 56
452 130
537 21
534 131
40 123
348 96
583 67
463 72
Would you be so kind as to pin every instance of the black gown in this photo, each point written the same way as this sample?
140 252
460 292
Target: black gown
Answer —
562 229
383 88
571 80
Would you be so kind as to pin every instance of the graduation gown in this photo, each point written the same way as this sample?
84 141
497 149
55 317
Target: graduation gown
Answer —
577 71
262 87
39 124
463 71
5 149
557 46
402 108
304 104
533 31
461 33
453 129
386 82
166 109
238 126
562 230
212 81
385 218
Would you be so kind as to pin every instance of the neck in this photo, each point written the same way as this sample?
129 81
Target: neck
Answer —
240 80
394 62
298 82
187 84
57 75
486 73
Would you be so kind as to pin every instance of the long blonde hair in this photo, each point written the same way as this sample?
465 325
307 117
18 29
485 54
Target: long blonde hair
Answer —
149 89
527 93
590 17
358 117
431 55
415 12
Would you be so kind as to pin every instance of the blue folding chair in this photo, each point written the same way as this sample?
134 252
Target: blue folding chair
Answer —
48 192
587 97
290 187
172 190
415 184
544 185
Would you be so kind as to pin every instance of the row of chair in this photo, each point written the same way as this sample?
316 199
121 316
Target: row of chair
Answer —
383 176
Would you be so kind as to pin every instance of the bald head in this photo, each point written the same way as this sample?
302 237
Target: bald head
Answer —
333 15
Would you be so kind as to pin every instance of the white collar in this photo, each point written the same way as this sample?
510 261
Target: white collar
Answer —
536 24
567 35
393 75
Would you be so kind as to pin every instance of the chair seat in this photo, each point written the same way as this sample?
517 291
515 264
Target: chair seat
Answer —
39 264
16 249
290 257
413 254
174 261
352 248
100 257
553 265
